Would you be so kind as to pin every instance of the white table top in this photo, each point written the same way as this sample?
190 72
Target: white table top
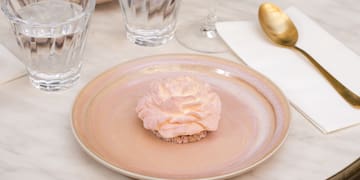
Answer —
36 141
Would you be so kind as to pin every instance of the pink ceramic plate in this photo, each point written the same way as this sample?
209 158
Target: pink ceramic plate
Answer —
254 123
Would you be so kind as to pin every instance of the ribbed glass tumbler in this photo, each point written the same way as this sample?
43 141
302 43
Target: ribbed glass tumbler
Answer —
150 22
51 35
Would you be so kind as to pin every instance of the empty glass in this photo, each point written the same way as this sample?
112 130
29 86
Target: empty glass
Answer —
51 35
150 22
201 35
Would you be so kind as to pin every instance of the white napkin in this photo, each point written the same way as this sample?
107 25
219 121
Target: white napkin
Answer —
10 67
304 86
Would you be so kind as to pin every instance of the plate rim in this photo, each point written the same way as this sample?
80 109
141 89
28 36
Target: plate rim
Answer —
215 59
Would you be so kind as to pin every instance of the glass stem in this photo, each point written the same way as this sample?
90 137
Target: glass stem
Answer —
207 28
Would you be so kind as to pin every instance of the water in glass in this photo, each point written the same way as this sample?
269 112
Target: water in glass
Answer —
51 35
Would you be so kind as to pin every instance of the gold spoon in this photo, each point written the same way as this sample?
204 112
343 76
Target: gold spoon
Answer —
281 30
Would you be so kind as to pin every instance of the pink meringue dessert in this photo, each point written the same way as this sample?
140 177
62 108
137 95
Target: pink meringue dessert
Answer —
180 110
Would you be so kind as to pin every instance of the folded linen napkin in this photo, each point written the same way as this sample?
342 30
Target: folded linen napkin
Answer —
10 67
304 86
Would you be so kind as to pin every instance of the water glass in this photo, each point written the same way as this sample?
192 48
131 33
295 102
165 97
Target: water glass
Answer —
150 22
51 35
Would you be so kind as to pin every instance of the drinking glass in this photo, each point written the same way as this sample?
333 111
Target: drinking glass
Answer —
51 35
150 22
201 35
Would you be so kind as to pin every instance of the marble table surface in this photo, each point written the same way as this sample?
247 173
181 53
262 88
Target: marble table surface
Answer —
36 141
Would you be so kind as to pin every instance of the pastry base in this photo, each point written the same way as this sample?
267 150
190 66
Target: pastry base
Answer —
184 138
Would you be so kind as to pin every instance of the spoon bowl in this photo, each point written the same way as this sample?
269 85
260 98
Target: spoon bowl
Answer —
281 30
277 25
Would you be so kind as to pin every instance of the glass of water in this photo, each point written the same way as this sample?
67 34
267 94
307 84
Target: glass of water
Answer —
150 22
51 35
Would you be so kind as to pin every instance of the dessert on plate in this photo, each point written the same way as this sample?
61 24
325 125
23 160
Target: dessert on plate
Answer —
180 109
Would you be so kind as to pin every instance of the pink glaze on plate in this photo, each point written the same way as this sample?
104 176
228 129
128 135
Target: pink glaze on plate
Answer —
254 120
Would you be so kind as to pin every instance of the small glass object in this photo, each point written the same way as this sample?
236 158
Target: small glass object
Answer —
51 35
150 22
201 35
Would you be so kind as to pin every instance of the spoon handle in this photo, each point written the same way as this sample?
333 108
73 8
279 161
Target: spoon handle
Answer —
346 93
